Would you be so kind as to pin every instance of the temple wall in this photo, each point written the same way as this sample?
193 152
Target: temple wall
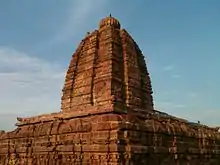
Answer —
109 139
88 140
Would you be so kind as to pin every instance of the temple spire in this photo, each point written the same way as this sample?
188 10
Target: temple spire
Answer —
107 71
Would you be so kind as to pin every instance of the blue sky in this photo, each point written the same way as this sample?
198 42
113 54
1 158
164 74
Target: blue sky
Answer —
180 39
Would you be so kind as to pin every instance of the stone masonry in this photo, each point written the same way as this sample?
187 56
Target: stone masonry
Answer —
107 115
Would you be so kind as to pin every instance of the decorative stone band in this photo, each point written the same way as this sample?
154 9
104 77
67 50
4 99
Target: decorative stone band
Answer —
154 120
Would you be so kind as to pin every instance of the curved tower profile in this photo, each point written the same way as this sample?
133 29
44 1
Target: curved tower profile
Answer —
107 72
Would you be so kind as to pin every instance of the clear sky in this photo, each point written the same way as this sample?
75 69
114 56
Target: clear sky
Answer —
180 39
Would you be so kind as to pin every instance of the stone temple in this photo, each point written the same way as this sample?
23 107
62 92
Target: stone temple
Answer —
107 115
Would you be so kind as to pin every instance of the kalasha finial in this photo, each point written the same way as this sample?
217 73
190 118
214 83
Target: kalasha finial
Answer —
109 21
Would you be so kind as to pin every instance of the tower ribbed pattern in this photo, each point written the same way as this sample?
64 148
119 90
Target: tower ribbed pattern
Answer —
107 69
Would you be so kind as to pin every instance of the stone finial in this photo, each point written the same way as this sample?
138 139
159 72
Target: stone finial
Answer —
109 21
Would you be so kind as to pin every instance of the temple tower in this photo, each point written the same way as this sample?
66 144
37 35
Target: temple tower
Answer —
107 115
107 72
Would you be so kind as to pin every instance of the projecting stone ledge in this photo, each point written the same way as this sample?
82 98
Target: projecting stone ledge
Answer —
85 111
153 121
64 115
